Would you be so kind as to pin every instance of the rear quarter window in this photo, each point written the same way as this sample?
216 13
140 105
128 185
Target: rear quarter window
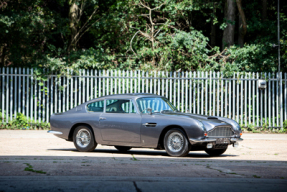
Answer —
97 106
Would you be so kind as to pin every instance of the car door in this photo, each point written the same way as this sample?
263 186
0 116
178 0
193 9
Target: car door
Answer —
120 122
94 111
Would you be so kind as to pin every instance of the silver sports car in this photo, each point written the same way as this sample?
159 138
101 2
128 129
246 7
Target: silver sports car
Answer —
143 120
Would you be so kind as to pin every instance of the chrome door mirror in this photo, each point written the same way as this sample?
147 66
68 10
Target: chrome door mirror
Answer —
149 111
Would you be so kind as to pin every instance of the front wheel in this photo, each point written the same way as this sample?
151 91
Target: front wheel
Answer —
84 139
175 143
122 148
215 152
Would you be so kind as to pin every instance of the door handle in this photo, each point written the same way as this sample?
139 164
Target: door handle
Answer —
102 118
150 124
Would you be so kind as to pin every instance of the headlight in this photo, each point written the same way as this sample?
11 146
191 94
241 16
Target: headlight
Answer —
200 124
234 124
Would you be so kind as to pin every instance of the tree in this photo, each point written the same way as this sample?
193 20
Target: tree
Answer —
76 11
264 9
150 31
242 24
25 27
141 34
229 19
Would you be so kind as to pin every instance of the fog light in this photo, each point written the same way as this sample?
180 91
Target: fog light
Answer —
236 144
209 146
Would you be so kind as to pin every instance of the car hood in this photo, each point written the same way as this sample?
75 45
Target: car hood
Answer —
209 122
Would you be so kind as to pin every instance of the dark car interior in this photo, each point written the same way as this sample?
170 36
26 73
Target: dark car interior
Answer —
118 106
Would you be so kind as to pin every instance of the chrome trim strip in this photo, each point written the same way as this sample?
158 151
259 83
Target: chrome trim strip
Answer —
55 132
206 140
236 139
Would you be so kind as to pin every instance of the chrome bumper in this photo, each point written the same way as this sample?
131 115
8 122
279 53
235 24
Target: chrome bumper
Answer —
236 139
208 140
55 132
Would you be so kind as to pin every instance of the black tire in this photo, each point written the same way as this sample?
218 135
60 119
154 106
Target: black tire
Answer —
182 150
122 148
87 146
215 152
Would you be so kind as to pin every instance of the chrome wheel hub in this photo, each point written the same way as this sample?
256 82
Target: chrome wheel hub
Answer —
83 138
175 142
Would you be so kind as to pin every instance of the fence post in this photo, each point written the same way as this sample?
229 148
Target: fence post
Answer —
2 106
280 95
285 94
257 98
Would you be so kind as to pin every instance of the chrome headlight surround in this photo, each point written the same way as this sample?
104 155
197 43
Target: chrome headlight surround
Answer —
200 124
234 124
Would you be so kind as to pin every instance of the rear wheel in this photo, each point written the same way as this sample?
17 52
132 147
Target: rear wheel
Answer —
122 148
175 143
215 152
84 139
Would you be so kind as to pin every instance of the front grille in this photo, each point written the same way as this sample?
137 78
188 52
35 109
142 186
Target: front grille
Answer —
221 131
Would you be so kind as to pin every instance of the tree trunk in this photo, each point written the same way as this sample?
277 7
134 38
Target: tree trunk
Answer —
73 15
3 55
213 35
240 35
213 31
264 10
228 34
190 18
242 24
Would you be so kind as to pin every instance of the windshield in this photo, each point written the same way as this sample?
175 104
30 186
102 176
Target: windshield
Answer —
157 104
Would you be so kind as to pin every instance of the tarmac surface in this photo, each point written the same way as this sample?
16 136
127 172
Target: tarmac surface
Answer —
35 160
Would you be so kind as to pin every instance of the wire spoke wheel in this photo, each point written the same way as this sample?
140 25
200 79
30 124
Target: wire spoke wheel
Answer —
83 138
175 142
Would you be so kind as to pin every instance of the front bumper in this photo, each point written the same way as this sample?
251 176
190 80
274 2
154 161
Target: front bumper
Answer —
210 140
55 132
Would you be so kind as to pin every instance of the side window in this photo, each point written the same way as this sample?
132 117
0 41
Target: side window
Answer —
133 108
112 106
126 106
119 106
96 106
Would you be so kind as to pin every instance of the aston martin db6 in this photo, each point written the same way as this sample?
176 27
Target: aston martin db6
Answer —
143 120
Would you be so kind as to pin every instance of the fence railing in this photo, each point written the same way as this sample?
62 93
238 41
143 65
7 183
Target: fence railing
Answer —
206 93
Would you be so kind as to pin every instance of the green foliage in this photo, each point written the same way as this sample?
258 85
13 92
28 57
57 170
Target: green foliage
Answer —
265 125
251 127
250 58
82 59
285 126
183 50
37 33
22 122
30 168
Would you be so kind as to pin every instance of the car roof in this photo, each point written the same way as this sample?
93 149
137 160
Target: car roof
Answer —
125 96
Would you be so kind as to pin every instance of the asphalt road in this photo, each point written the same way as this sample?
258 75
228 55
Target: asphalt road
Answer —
35 160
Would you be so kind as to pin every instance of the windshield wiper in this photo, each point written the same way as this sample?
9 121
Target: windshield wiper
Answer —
163 111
